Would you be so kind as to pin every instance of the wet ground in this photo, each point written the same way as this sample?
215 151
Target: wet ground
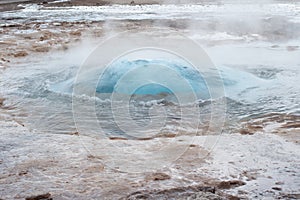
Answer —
256 156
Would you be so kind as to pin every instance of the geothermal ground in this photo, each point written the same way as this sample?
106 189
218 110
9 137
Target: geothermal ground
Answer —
255 46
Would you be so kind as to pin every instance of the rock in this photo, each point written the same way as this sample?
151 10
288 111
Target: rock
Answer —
1 101
117 138
20 54
75 133
276 188
167 135
75 33
290 196
199 192
23 172
94 169
251 175
293 124
231 197
250 129
230 184
158 176
279 183
5 60
41 49
245 132
46 196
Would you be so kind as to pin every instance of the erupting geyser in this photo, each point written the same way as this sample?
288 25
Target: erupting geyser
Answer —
151 77
158 78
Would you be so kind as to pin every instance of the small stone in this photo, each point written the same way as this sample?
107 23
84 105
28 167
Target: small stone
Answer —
245 132
276 188
75 133
230 184
20 54
41 49
1 101
46 196
279 183
23 172
76 33
158 176
117 138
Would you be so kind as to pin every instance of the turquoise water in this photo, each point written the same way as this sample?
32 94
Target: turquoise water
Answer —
248 92
156 74
163 78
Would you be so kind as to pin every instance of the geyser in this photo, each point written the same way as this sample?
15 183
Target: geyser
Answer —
151 77
160 78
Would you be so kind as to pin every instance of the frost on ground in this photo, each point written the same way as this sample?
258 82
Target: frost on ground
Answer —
257 158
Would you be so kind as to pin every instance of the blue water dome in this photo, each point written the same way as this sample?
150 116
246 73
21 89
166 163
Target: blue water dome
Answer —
158 74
